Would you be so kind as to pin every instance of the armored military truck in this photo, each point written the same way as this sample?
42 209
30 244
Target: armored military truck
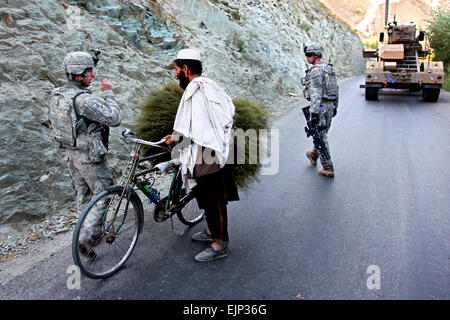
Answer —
402 63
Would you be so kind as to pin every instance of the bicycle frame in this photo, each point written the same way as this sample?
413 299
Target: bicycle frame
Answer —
142 186
130 179
112 208
161 202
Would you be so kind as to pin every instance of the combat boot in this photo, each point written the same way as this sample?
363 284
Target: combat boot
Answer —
312 157
327 173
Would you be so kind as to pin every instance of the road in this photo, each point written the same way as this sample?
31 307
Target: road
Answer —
298 235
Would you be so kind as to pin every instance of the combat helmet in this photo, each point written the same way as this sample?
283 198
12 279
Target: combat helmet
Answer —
313 48
78 61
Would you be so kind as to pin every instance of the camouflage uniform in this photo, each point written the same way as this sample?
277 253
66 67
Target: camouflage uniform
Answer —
85 135
321 105
87 162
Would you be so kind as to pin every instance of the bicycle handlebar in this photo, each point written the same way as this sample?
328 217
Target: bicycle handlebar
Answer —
126 135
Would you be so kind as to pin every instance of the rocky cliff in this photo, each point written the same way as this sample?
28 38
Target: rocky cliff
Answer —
253 48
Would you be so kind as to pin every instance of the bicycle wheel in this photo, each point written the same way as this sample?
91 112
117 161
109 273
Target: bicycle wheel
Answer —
106 233
190 214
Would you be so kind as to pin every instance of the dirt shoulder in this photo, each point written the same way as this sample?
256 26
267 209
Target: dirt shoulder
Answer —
13 266
21 249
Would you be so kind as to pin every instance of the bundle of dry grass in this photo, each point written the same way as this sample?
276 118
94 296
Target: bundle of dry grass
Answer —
158 115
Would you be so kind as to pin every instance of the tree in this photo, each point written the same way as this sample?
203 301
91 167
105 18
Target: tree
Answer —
439 34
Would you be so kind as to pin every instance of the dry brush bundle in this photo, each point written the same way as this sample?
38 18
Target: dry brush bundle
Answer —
158 115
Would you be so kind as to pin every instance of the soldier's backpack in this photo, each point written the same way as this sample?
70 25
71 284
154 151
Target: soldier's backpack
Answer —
331 89
63 117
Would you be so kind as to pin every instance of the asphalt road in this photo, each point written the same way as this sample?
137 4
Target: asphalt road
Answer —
298 235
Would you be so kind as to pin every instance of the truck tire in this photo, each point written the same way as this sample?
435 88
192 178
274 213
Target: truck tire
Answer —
371 93
430 94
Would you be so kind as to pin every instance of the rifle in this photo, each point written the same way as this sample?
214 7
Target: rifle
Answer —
313 130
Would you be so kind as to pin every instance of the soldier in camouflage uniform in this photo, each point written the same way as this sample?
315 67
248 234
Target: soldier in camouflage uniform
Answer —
86 159
322 91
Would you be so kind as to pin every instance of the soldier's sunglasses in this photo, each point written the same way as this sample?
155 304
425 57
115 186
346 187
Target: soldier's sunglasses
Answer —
309 54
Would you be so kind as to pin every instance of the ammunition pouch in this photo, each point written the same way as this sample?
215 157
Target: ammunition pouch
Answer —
91 144
306 94
314 118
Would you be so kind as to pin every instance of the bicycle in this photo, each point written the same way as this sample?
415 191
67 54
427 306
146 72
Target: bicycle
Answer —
109 226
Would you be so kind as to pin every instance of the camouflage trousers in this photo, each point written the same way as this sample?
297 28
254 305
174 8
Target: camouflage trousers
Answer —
88 180
325 117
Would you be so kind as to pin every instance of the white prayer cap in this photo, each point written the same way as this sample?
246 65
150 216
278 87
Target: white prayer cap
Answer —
189 54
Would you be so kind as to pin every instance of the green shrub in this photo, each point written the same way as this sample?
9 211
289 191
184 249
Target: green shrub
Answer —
446 84
158 115
438 31
371 43
305 26
311 16
248 115
239 43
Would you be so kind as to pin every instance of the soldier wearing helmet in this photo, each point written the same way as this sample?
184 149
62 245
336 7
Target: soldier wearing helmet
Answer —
87 133
322 91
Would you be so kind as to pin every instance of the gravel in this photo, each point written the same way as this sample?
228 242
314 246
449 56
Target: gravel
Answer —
17 242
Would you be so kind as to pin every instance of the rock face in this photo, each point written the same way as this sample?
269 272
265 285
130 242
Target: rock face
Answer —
255 48
252 48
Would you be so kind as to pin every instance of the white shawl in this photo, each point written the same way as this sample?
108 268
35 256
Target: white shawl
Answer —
205 115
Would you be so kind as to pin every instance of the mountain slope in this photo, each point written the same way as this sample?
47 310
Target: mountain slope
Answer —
367 17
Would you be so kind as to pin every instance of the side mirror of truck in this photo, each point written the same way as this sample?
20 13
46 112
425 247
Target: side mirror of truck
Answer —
421 36
381 37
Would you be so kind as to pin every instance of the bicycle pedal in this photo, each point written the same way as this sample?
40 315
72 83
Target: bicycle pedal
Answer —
160 218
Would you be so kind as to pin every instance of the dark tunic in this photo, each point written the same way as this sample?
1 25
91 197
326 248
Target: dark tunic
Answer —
213 192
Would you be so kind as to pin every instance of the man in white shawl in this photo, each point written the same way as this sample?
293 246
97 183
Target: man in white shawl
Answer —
204 120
